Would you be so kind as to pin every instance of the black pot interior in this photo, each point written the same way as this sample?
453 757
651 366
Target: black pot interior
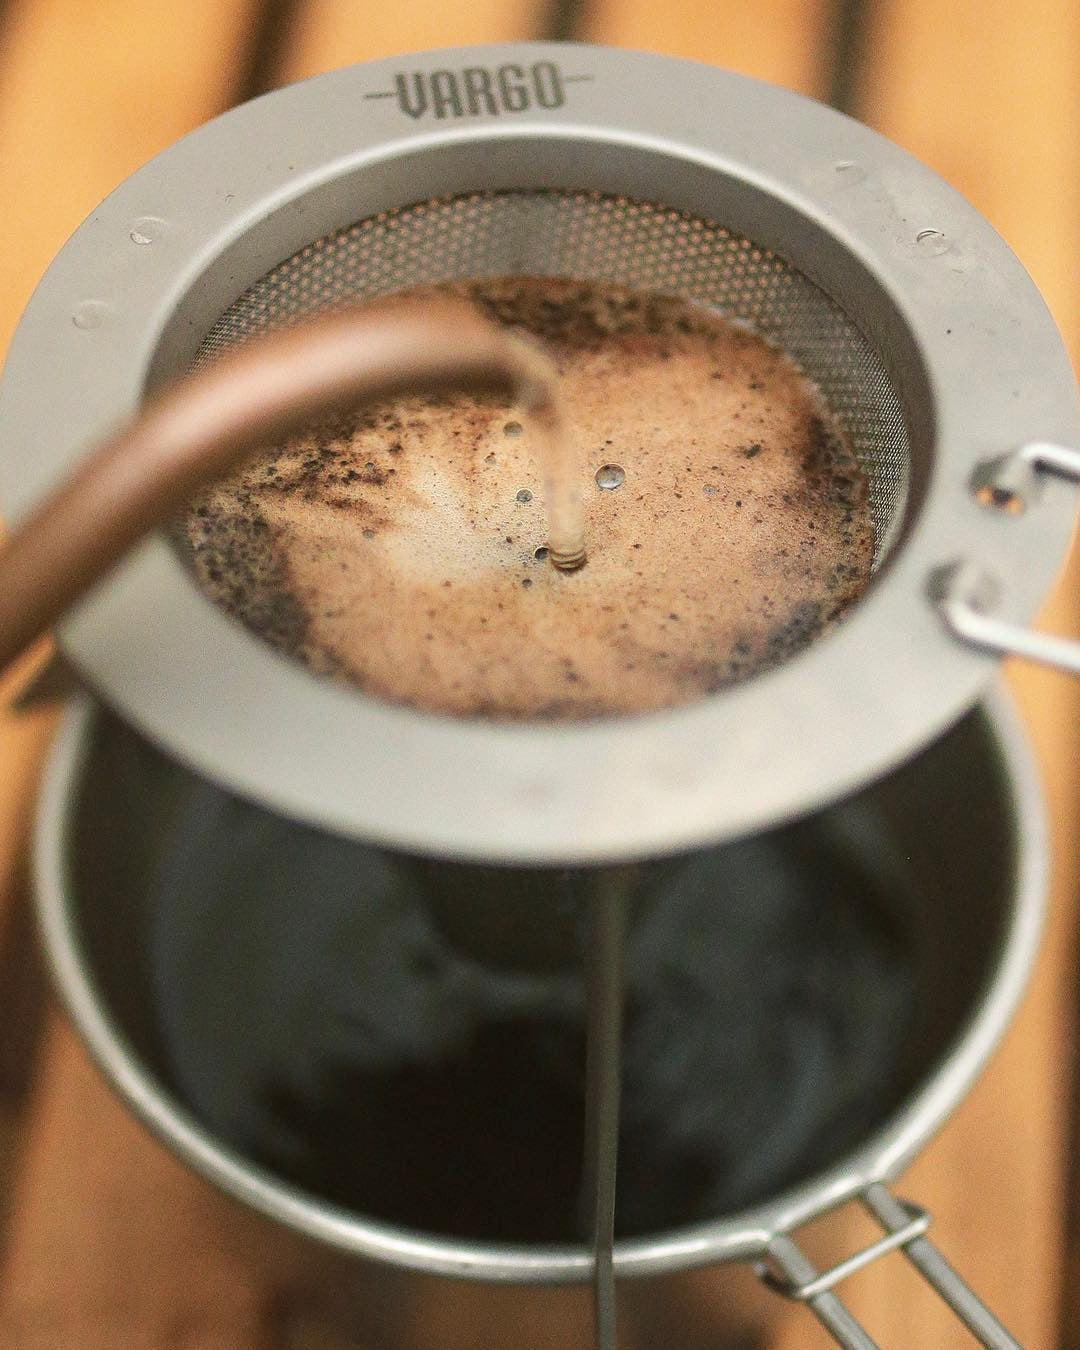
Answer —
404 1037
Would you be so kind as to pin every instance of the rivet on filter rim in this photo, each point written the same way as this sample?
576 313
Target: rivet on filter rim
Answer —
848 172
90 314
965 583
932 242
1010 482
146 230
1006 484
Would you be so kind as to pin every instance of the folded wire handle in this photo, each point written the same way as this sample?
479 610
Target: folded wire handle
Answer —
787 1270
966 596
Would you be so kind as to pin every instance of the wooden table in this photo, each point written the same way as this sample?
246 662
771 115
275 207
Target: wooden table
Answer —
108 1243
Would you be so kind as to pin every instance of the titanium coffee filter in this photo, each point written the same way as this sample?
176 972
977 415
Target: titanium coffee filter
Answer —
927 338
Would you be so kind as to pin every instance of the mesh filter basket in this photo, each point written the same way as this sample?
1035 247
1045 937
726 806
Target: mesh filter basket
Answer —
922 329
594 237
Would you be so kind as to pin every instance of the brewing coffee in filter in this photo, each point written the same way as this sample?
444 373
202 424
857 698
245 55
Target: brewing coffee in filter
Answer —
929 342
928 339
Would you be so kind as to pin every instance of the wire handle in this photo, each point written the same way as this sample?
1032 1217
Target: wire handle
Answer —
966 596
789 1272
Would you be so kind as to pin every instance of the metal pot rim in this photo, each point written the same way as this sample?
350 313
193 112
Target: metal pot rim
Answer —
736 1237
135 290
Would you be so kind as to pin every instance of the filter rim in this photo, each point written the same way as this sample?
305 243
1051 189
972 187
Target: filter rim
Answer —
113 313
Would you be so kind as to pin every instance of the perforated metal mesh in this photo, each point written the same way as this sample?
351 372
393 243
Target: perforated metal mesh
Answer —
590 236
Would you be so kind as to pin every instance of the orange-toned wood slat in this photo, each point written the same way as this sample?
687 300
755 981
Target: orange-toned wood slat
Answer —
110 1241
988 94
780 41
22 742
118 1247
329 34
783 42
89 89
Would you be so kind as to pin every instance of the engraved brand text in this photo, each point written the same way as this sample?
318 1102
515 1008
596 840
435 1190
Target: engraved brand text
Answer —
477 91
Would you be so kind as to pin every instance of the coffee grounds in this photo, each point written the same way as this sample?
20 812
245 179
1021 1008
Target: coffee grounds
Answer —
401 549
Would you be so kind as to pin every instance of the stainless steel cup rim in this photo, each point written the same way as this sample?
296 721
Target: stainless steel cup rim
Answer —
737 1237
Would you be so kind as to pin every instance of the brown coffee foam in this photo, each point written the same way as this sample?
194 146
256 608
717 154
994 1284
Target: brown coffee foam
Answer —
392 551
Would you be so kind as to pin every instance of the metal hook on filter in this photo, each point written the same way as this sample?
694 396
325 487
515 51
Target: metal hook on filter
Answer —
1010 482
966 596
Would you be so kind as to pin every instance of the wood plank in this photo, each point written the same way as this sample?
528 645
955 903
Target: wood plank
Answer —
120 1247
784 43
111 1241
775 40
88 91
328 34
23 738
985 93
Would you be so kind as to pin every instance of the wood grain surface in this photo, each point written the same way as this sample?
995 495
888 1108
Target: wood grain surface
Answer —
327 34
781 41
89 90
110 1244
988 94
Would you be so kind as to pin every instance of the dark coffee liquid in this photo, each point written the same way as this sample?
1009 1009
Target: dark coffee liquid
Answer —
402 550
314 1014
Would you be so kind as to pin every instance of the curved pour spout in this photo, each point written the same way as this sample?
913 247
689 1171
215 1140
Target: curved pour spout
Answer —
272 388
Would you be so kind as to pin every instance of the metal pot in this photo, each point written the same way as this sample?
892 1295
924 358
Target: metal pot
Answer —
957 843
